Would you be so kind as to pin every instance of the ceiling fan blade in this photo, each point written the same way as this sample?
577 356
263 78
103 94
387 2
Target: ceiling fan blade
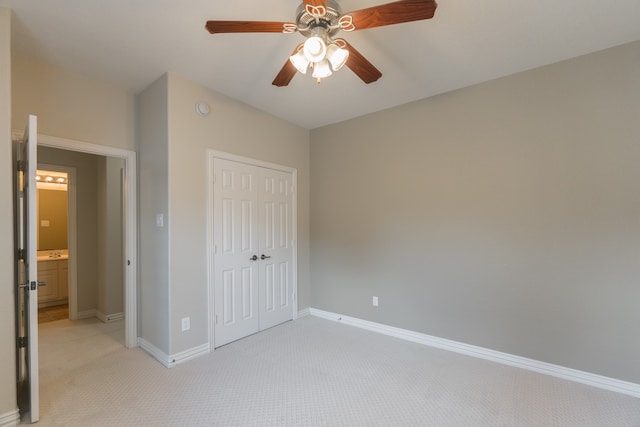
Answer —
286 73
217 27
393 13
357 63
315 3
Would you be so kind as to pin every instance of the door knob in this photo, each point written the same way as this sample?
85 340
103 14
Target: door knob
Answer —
263 256
254 258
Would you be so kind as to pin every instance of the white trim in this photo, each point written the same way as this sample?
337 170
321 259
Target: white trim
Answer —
10 419
87 314
214 154
176 359
570 374
304 312
186 355
210 254
130 220
248 161
154 351
109 318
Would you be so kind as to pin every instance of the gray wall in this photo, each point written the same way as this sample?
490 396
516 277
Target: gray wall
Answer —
153 199
8 403
110 237
173 181
504 215
235 128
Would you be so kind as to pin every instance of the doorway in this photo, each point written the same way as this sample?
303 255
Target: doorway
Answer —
93 250
129 228
252 223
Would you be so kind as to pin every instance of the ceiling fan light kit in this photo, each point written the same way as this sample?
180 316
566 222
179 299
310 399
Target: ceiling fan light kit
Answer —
319 21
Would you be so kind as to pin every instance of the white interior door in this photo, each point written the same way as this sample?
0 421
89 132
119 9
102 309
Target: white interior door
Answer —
236 245
253 227
26 274
275 213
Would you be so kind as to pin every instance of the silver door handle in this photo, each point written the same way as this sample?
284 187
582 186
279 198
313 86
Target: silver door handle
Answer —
32 285
254 258
263 256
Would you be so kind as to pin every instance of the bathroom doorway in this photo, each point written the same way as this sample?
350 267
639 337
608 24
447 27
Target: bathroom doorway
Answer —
98 247
93 283
56 226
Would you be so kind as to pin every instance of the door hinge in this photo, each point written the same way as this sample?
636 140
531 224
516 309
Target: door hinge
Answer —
21 256
22 342
21 165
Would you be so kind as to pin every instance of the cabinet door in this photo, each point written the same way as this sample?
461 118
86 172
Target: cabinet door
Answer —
48 273
63 274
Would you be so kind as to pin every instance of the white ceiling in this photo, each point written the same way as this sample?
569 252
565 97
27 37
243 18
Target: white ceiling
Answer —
130 43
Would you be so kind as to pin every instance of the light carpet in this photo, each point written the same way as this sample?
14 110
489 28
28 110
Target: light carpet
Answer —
309 372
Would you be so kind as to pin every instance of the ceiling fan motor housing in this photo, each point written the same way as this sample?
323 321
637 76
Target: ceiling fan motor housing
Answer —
306 22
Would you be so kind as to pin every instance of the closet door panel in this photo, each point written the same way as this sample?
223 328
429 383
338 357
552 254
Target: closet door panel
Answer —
276 251
236 274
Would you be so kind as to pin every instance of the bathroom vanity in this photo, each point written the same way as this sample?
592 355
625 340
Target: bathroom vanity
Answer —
53 270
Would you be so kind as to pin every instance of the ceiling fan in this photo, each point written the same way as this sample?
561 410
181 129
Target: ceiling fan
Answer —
319 21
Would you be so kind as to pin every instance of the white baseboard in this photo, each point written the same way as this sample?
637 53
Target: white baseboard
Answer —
170 361
154 351
570 374
108 318
304 312
10 419
87 314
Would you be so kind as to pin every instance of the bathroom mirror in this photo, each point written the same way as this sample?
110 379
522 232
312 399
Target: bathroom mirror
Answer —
52 210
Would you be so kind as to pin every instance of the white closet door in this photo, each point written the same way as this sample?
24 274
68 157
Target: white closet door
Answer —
276 252
253 251
236 274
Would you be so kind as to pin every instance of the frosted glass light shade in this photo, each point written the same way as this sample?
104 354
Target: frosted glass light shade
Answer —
300 61
315 49
321 69
337 56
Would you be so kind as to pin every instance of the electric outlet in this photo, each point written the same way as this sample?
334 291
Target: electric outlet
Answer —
375 301
186 323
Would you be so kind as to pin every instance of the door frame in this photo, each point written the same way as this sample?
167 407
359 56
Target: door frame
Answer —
214 154
130 220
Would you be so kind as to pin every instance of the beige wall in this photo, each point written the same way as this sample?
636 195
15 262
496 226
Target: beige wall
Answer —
232 127
235 128
71 106
504 215
8 403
